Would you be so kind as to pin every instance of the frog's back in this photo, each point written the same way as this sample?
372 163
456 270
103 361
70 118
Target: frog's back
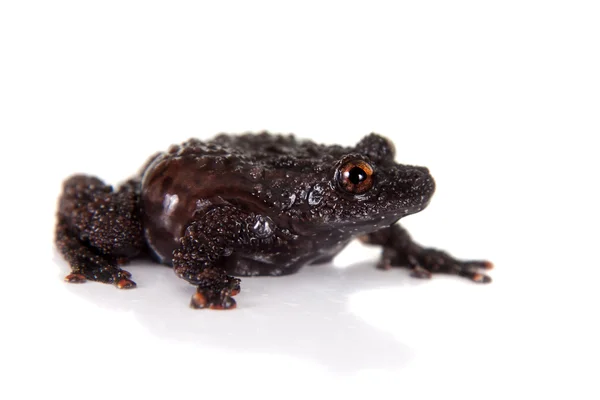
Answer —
268 148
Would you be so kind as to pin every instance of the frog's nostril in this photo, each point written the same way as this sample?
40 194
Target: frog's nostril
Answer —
420 181
424 183
420 177
417 173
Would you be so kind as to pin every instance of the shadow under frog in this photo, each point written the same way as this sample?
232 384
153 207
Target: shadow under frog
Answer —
305 315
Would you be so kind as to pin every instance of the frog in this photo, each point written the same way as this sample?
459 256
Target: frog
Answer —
252 204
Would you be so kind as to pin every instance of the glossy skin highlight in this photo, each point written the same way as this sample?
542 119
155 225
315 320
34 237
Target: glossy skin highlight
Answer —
252 204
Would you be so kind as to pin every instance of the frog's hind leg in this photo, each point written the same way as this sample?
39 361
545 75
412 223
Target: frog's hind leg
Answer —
99 229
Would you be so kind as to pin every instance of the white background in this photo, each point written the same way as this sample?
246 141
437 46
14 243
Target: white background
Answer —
500 100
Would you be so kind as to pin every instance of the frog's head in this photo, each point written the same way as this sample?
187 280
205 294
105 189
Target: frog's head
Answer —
368 190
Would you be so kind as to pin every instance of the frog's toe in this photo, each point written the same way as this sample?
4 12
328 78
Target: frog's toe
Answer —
226 303
475 276
215 301
387 258
420 272
234 287
199 300
75 278
126 283
125 274
471 269
482 264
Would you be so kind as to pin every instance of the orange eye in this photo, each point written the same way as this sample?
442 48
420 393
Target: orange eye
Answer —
356 176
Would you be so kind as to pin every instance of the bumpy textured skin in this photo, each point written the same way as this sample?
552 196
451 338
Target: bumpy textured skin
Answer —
252 204
99 229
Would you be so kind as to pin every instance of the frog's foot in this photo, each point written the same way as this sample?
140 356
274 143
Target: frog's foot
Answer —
104 274
398 249
426 262
87 265
215 289
204 298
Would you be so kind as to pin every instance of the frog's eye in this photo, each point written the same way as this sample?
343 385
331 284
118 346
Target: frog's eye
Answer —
355 176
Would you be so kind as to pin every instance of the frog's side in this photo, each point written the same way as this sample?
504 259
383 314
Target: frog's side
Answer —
253 204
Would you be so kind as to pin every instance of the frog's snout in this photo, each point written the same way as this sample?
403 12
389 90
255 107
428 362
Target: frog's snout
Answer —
423 178
415 186
423 183
414 179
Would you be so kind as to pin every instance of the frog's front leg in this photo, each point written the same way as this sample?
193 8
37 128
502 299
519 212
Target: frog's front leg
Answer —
400 250
200 257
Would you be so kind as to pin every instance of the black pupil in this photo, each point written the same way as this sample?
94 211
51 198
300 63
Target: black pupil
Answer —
356 175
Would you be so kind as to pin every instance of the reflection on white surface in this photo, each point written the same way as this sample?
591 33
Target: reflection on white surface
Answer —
356 253
305 316
352 329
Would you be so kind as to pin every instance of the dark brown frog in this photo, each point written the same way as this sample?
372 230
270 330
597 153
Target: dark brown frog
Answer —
245 205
